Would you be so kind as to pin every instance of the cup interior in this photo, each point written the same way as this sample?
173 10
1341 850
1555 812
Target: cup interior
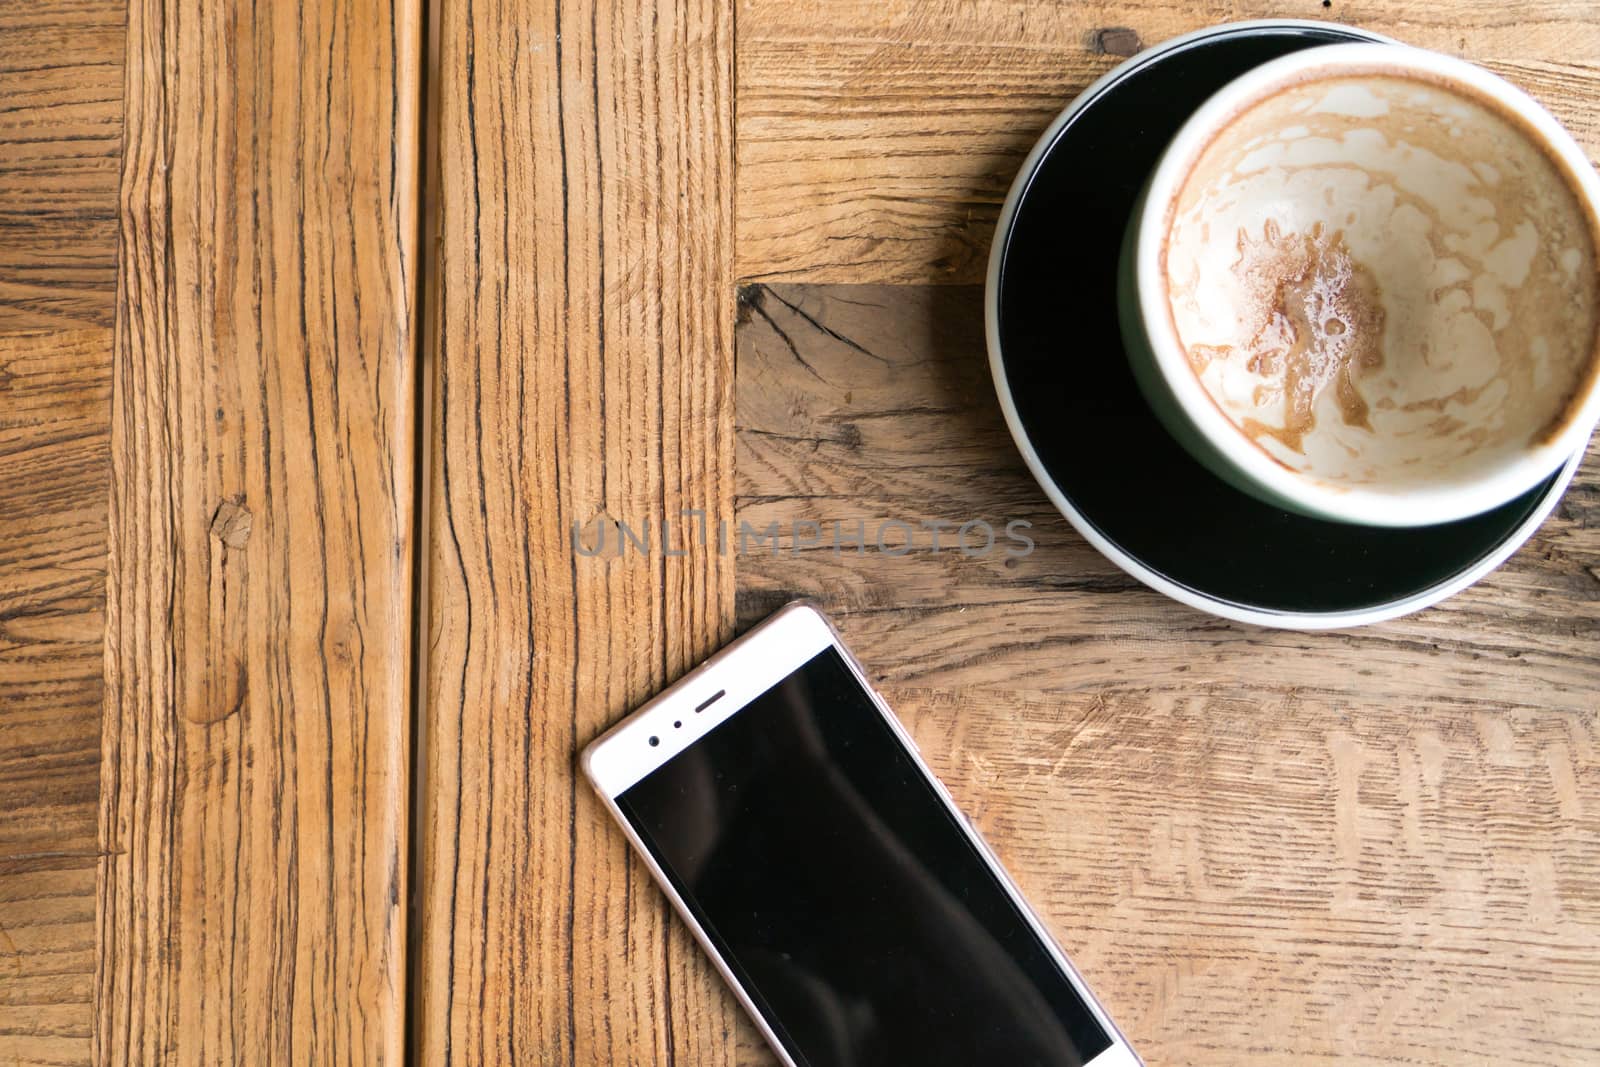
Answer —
1369 275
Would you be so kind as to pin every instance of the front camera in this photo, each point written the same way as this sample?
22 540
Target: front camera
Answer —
654 741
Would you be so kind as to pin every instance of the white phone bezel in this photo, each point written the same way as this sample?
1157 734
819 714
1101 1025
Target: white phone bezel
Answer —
744 670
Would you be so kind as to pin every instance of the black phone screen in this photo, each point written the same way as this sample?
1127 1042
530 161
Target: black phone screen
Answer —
840 889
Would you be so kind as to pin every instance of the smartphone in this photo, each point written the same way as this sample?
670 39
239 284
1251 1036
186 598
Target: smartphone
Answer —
857 915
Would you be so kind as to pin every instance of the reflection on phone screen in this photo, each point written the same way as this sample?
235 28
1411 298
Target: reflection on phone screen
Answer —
843 894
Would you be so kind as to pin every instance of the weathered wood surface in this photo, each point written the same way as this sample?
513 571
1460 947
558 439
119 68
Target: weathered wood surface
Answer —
61 66
60 140
877 138
255 775
913 432
584 359
1262 847
1288 879
54 435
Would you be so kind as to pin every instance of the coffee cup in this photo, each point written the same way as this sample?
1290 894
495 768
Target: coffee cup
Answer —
1362 284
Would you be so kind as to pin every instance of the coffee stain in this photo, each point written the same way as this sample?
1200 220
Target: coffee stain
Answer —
1201 356
1314 318
1462 397
1555 293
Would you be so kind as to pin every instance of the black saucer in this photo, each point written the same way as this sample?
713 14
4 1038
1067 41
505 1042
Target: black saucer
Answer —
1095 446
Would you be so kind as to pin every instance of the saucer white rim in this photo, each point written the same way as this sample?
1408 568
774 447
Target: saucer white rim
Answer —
1286 620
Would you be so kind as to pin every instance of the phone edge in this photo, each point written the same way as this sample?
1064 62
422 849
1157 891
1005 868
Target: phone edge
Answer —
1121 1052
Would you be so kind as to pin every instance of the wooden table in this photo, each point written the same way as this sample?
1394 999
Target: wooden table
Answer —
315 373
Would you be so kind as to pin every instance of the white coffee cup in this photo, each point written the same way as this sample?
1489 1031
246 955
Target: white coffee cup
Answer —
1350 289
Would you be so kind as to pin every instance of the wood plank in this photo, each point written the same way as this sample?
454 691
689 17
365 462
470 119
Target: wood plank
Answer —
1261 847
877 138
584 372
47 953
60 143
60 140
1285 879
892 415
255 778
55 392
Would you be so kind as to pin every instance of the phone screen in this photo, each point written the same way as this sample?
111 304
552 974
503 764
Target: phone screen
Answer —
839 888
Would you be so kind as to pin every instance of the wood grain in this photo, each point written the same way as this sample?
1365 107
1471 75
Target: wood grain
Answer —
47 960
584 374
874 403
877 138
1261 847
1283 879
61 67
60 138
254 780
54 436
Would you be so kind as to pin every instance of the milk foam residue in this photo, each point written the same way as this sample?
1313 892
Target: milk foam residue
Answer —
1313 317
1377 279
